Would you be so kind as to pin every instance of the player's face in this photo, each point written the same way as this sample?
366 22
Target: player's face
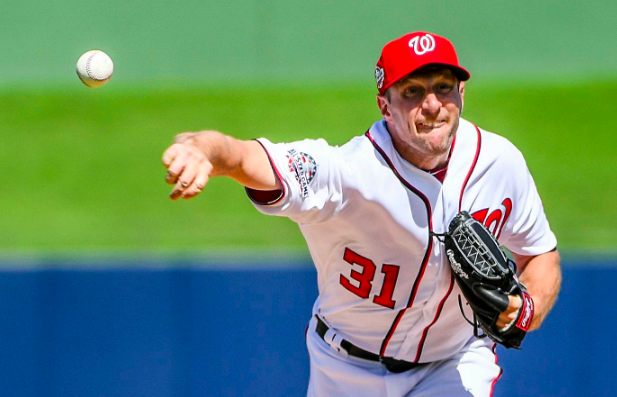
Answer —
422 112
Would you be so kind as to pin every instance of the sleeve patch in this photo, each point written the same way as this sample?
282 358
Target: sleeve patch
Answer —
303 167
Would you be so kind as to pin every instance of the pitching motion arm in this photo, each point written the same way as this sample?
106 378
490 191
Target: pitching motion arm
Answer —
196 157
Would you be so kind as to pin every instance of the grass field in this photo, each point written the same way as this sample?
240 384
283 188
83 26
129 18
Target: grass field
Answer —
82 167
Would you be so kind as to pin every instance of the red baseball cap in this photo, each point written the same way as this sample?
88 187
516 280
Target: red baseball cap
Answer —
412 51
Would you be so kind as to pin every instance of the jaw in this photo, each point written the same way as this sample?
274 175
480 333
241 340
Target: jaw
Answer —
434 140
426 151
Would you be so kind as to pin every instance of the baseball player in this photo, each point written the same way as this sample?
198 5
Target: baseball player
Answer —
388 320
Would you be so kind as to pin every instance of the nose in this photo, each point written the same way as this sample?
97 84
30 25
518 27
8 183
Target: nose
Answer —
431 104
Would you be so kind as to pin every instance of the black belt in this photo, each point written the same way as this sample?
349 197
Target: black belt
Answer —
391 364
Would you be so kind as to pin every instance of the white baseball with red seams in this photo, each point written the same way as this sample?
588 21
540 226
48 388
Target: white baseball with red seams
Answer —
94 68
385 284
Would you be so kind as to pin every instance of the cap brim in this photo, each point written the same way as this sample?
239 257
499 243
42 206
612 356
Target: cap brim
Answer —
461 73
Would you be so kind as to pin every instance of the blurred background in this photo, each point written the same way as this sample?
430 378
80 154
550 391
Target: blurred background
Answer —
107 288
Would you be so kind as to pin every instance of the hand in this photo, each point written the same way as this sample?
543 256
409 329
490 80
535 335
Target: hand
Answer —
511 313
187 166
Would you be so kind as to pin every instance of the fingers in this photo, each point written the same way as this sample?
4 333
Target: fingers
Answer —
196 187
176 148
511 313
169 155
171 178
188 170
177 166
183 180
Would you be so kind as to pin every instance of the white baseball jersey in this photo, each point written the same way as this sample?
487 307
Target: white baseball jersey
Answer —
384 283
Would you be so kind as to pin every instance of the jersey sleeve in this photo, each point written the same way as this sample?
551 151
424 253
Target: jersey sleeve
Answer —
527 232
309 174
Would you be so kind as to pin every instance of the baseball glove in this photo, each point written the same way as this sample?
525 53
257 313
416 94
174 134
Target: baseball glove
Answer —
486 277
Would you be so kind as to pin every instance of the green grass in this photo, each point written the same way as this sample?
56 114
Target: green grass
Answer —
82 168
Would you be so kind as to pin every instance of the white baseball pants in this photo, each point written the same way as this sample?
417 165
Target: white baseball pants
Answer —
471 372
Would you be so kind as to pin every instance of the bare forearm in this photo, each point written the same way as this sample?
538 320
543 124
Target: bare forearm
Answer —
196 157
223 152
542 276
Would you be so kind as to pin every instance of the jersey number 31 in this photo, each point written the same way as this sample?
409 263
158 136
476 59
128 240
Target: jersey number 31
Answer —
364 279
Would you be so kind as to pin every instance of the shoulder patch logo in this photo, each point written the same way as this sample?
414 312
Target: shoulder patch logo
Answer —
304 168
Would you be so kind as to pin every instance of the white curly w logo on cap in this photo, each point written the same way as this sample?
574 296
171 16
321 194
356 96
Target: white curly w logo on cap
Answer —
422 44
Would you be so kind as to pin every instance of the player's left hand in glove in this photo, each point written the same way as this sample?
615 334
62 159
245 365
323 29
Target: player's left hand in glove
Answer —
487 279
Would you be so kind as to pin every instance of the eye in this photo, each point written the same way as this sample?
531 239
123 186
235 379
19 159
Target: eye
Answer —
444 88
413 91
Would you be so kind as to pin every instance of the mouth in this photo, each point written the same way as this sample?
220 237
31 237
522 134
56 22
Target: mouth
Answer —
428 126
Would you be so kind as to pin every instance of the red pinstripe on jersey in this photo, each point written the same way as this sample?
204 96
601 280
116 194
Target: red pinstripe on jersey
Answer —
429 248
473 165
416 284
443 300
439 309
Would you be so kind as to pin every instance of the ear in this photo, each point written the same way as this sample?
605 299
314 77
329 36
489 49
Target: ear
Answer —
384 107
461 91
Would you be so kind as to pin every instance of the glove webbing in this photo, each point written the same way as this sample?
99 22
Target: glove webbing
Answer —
476 328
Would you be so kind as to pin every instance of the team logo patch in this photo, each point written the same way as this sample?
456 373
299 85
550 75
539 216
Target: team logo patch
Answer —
379 76
422 45
304 168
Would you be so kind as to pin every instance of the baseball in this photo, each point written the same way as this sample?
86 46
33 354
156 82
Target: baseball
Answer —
95 68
